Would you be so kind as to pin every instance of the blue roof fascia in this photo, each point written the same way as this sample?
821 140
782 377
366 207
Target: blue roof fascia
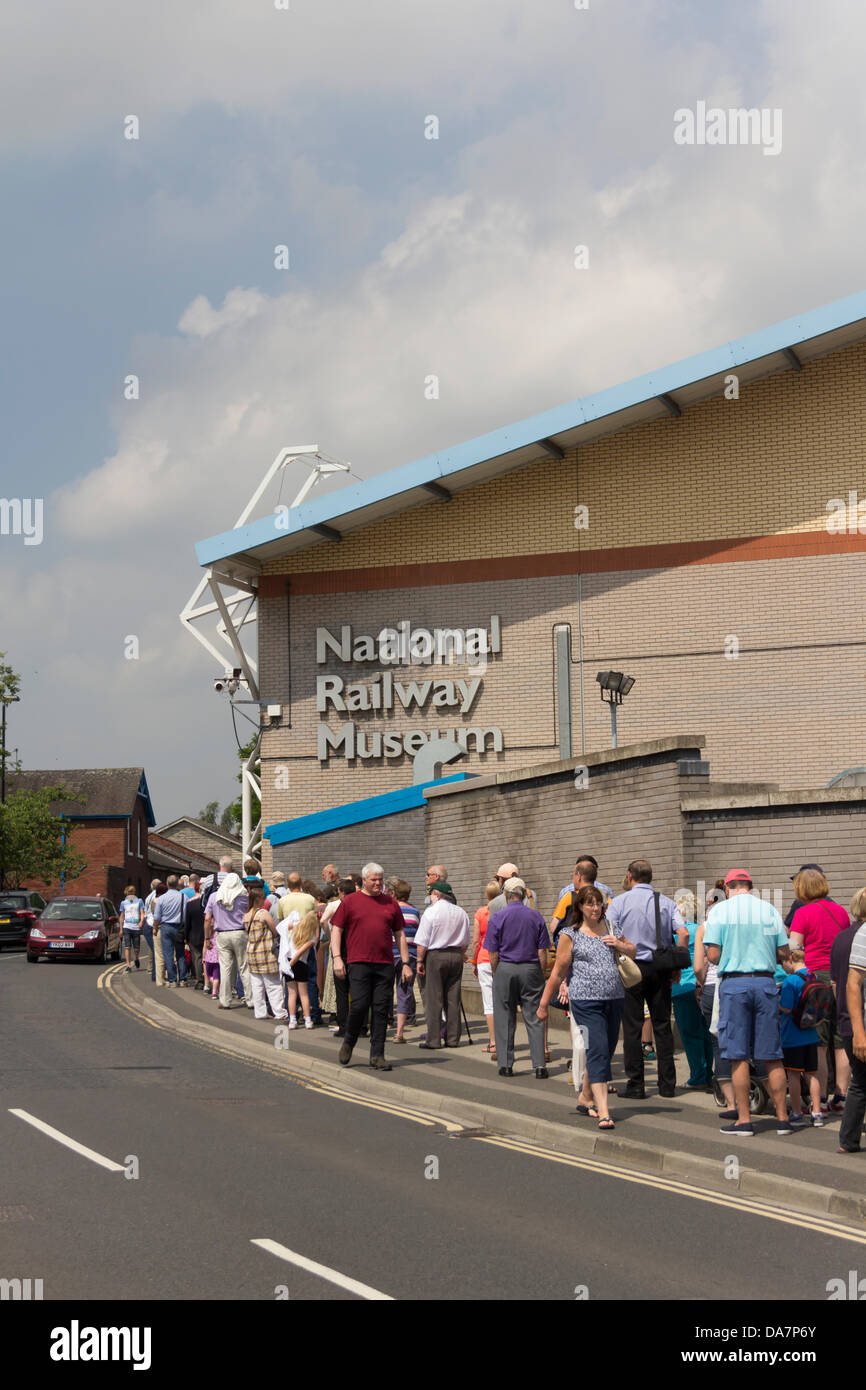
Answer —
354 812
148 806
439 466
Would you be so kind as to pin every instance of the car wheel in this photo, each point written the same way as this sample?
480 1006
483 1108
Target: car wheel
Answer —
100 959
32 959
757 1097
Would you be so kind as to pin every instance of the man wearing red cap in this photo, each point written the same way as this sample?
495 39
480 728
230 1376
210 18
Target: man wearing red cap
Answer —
745 937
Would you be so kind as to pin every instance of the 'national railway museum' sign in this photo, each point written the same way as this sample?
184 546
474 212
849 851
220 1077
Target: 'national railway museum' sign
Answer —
403 645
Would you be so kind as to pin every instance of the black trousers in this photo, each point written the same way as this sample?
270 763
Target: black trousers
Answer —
655 988
341 989
855 1100
371 987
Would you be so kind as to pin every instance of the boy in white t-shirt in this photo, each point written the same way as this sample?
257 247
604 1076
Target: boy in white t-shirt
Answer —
132 921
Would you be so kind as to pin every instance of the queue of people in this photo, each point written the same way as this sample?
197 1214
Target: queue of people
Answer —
747 990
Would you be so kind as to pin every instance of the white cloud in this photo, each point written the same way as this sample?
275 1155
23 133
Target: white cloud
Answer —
688 247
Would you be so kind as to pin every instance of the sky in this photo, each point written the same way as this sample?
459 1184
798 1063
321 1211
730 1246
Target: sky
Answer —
307 126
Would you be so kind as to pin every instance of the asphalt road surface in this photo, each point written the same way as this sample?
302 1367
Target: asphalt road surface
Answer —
228 1155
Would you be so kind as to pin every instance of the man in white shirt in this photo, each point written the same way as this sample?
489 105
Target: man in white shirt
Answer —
441 941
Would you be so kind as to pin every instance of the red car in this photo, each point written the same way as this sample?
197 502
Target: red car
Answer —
77 928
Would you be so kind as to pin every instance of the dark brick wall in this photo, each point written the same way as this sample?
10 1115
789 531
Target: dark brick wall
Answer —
396 842
625 812
773 843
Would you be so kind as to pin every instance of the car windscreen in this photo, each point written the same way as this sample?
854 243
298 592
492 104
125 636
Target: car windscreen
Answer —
12 902
72 912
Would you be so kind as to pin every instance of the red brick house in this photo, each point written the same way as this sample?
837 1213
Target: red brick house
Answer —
110 813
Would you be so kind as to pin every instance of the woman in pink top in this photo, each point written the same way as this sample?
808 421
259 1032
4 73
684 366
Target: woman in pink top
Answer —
814 927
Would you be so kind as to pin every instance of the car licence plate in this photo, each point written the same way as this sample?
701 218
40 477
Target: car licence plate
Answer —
5 921
64 945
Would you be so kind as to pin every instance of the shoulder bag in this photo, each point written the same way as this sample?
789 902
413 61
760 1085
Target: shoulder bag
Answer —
668 957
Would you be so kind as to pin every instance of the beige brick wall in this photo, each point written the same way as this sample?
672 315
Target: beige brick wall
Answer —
765 464
761 466
785 716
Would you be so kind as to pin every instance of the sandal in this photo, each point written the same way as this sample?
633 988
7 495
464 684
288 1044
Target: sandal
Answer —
606 1124
491 1047
589 1110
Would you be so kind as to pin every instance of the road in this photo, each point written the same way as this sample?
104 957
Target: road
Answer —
229 1154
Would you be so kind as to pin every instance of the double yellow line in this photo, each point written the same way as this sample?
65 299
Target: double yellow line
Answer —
749 1205
105 983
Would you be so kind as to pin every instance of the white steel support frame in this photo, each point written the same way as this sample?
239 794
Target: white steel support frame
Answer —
230 591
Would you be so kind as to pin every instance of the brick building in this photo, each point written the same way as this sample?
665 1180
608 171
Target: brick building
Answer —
698 528
109 815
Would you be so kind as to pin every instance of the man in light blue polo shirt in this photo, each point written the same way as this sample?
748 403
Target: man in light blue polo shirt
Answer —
745 937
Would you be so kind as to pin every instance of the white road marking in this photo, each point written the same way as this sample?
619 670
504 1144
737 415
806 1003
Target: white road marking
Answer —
332 1275
73 1144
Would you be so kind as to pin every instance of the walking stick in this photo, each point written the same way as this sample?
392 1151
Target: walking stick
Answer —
465 1020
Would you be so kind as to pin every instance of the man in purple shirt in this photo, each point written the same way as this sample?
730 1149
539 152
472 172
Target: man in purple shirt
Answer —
517 940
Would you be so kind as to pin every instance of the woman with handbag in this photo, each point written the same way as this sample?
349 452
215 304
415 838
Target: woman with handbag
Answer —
593 956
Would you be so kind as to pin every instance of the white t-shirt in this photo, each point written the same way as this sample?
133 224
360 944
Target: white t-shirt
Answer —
286 929
132 909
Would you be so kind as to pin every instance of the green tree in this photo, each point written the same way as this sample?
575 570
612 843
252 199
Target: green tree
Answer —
35 842
10 686
220 820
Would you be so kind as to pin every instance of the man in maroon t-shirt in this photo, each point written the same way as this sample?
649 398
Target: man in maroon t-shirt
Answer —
371 921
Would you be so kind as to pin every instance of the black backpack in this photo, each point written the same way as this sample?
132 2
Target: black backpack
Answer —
815 1003
209 891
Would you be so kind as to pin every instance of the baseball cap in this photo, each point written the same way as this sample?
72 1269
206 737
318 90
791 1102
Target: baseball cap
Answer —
440 886
807 866
511 884
737 876
507 871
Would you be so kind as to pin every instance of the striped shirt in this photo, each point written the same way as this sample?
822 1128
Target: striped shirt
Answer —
411 922
857 958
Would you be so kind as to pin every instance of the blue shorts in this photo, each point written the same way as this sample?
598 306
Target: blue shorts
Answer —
749 1019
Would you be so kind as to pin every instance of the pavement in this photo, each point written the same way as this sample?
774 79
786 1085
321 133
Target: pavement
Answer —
678 1138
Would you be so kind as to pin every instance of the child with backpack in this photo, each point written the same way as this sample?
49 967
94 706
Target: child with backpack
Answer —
803 1002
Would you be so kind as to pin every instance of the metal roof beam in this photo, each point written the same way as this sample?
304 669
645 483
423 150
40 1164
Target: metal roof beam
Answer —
438 491
329 533
550 448
670 404
793 359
